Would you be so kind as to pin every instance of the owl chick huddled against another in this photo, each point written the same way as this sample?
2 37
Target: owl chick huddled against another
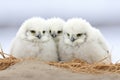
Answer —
84 42
56 29
33 41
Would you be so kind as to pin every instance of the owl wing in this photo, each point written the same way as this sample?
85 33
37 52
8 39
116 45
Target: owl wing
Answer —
103 43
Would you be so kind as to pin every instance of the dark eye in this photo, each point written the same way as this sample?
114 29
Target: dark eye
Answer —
43 32
50 31
32 31
68 34
78 35
59 32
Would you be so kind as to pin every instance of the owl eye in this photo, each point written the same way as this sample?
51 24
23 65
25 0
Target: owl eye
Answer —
32 31
59 32
80 34
44 32
50 31
68 34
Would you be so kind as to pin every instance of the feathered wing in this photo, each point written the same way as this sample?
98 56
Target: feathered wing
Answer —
12 45
103 43
19 48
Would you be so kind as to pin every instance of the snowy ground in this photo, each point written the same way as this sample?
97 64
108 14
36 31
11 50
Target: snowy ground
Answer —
111 33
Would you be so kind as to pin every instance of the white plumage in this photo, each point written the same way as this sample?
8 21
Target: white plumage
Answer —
82 41
56 28
33 41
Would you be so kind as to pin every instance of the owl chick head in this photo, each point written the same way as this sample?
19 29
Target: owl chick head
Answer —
34 29
55 27
76 31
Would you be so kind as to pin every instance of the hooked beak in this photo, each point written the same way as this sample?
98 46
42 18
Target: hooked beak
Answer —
38 36
53 35
72 39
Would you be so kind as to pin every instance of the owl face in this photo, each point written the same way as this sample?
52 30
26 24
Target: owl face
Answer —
55 28
76 32
56 33
37 35
75 39
34 29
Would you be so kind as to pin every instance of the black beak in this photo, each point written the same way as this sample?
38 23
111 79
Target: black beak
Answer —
53 35
38 36
72 39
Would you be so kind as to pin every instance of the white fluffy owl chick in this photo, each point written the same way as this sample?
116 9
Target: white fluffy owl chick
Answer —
56 28
33 41
82 41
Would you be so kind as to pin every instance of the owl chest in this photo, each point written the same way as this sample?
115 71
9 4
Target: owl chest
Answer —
34 48
69 52
85 51
75 51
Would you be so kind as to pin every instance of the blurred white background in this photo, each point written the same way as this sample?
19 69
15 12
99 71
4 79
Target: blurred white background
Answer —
103 14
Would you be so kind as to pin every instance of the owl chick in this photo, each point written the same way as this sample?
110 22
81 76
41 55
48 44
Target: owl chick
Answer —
82 41
33 41
56 28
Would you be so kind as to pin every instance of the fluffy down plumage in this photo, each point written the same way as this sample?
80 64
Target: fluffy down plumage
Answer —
82 41
56 28
33 41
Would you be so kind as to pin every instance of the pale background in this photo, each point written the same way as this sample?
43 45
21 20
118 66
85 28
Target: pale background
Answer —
103 14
